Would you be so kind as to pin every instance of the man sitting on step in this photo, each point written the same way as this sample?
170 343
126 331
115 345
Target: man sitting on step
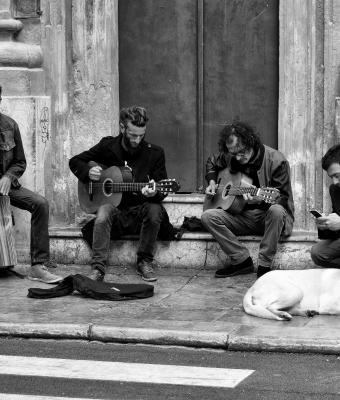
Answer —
326 252
12 166
138 212
241 154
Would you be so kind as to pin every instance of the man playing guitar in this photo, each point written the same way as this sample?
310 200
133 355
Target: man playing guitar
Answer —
138 212
242 153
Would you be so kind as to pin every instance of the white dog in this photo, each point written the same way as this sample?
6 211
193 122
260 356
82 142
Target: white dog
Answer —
280 294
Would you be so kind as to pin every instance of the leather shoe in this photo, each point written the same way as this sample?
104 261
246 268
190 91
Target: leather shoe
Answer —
97 275
262 270
245 267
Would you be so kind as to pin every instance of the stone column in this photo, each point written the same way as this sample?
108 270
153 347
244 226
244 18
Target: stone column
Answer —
80 47
23 81
331 133
301 102
95 72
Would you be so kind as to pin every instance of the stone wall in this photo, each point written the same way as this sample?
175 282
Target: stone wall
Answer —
59 71
309 75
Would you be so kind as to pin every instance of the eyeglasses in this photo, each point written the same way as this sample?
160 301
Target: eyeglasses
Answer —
241 153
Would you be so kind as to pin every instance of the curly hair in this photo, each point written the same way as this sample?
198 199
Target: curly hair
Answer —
246 134
332 156
136 115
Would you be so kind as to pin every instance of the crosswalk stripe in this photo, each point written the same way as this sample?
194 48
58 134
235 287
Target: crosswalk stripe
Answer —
120 371
10 396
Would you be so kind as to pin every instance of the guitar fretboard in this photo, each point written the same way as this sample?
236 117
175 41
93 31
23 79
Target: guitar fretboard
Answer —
239 191
127 186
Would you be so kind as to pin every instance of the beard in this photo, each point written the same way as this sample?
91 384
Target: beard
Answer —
133 151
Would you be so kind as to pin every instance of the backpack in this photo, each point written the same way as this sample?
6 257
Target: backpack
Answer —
190 224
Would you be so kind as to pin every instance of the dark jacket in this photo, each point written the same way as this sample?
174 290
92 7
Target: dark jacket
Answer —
334 191
148 164
12 156
273 172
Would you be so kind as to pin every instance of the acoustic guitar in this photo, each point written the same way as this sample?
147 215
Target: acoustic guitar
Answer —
230 190
111 185
8 255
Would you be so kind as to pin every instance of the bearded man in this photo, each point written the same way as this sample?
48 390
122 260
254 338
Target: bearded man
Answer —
139 212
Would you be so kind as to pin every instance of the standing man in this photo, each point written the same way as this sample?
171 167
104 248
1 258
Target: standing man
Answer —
240 150
12 166
326 252
139 212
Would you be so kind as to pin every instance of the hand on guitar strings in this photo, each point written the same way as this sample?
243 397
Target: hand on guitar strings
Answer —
95 172
211 189
150 189
5 185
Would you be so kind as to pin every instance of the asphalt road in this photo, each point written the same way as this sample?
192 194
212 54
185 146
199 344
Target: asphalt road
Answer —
83 370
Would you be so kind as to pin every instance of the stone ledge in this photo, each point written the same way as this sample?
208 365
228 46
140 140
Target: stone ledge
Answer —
296 236
196 198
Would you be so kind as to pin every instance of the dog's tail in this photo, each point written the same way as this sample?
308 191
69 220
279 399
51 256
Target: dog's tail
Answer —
259 310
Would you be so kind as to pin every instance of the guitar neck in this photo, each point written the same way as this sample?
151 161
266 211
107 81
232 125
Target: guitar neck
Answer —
239 191
129 186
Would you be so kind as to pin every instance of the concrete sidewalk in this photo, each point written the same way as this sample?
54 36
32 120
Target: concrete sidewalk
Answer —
189 308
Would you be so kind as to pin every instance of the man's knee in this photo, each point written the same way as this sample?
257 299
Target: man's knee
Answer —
208 216
318 256
41 204
314 254
105 212
276 212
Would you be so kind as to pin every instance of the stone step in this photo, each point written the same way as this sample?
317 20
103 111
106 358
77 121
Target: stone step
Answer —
179 206
195 249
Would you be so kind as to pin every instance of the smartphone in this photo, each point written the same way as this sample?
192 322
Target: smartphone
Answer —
316 213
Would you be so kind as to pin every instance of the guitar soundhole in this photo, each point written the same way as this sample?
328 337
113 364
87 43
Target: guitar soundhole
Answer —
226 190
108 187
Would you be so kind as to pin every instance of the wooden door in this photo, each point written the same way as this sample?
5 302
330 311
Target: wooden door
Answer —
196 64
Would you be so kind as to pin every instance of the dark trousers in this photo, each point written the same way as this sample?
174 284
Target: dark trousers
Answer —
226 227
326 253
112 222
37 205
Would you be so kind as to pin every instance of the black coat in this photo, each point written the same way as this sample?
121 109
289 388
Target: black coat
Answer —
147 164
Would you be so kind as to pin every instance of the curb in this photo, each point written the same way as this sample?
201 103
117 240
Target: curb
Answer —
113 334
284 344
167 337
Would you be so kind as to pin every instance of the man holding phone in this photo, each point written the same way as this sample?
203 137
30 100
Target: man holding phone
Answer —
326 253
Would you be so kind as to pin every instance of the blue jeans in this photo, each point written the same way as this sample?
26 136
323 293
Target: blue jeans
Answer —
37 205
144 220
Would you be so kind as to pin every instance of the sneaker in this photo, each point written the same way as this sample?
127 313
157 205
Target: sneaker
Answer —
96 275
245 267
40 273
262 270
145 269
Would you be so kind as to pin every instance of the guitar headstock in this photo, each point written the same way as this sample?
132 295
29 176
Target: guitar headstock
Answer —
168 186
268 194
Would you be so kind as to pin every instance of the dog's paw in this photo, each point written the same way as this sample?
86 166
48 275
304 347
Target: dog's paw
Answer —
283 316
311 313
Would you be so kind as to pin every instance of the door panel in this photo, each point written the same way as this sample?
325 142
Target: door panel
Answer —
161 68
241 67
157 53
